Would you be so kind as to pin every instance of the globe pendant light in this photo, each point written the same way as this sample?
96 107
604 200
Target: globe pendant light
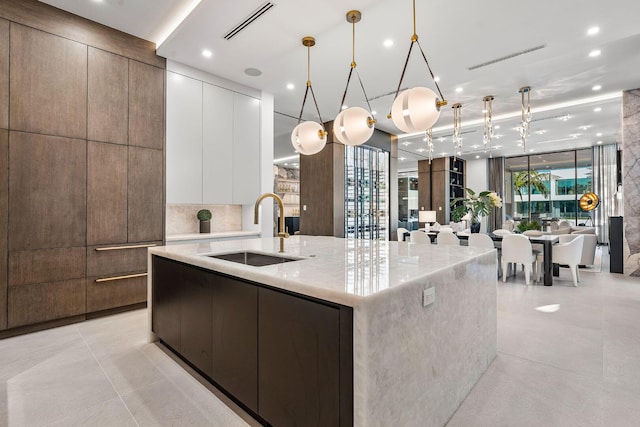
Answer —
309 137
353 125
416 109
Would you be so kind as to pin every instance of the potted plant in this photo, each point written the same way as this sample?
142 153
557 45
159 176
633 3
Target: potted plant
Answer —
525 226
475 205
204 215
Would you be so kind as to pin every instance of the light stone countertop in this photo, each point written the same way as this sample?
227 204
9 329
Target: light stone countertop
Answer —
344 271
215 235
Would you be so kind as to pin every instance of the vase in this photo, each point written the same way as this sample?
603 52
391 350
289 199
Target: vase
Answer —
205 226
475 227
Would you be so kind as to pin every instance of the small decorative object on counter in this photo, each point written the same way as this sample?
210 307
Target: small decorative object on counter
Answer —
204 215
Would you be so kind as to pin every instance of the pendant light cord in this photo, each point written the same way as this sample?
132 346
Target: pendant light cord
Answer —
353 67
306 92
414 39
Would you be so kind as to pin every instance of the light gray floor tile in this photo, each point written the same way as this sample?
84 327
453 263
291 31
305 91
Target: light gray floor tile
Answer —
164 404
68 382
516 392
112 413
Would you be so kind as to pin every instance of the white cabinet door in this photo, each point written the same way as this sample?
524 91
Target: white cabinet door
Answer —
217 145
184 139
246 149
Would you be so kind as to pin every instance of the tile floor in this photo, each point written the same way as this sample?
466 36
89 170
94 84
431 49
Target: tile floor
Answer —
576 366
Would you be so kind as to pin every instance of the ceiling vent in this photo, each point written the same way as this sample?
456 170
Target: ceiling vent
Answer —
504 58
248 20
449 135
393 92
542 119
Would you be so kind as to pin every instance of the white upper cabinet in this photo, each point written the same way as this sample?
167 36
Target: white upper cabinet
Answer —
213 143
217 145
246 149
184 139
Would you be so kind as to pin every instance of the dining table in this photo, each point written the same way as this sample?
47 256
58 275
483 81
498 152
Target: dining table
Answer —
546 240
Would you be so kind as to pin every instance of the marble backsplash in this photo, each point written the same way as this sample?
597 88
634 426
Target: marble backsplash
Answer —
181 219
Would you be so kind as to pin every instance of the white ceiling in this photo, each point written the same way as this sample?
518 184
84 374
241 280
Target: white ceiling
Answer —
454 35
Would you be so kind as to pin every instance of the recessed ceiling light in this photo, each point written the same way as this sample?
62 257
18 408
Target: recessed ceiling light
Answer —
596 87
421 150
593 31
407 143
599 142
207 53
565 117
477 157
374 112
388 43
344 107
436 79
585 127
402 158
595 53
574 135
458 89
475 146
599 134
541 131
496 127
531 150
291 86
597 109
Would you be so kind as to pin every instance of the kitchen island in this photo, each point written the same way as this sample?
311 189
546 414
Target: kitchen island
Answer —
345 334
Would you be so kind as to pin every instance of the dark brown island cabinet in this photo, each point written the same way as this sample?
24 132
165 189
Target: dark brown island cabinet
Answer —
285 358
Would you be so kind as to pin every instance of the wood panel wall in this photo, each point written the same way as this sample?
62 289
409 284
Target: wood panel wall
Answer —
81 164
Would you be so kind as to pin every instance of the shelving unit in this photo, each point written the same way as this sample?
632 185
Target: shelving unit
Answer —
289 190
366 193
456 182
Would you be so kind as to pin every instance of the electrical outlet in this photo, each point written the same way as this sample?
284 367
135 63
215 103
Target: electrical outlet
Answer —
428 296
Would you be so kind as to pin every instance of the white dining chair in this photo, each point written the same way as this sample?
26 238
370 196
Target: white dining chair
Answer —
401 232
418 236
501 232
569 251
480 240
516 248
447 238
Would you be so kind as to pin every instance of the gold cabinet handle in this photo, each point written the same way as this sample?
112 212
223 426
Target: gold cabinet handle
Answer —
115 248
128 276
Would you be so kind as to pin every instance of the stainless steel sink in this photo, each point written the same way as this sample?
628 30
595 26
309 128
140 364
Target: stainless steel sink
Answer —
254 258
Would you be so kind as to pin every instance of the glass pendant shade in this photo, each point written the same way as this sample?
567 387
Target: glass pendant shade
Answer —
415 110
353 126
308 138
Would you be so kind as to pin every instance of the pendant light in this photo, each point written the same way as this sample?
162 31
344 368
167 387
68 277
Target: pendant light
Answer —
353 125
429 140
525 129
309 137
416 109
457 128
488 122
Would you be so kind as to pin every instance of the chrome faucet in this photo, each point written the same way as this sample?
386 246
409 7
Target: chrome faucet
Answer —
281 233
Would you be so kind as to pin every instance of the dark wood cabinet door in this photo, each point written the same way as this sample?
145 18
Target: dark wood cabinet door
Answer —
47 201
4 212
235 337
195 317
145 195
298 361
48 81
106 193
165 319
108 91
40 302
146 105
118 291
4 74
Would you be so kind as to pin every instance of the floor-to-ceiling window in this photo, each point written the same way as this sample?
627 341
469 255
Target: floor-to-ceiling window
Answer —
548 186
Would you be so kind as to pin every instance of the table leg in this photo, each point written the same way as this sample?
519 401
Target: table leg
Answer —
548 277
